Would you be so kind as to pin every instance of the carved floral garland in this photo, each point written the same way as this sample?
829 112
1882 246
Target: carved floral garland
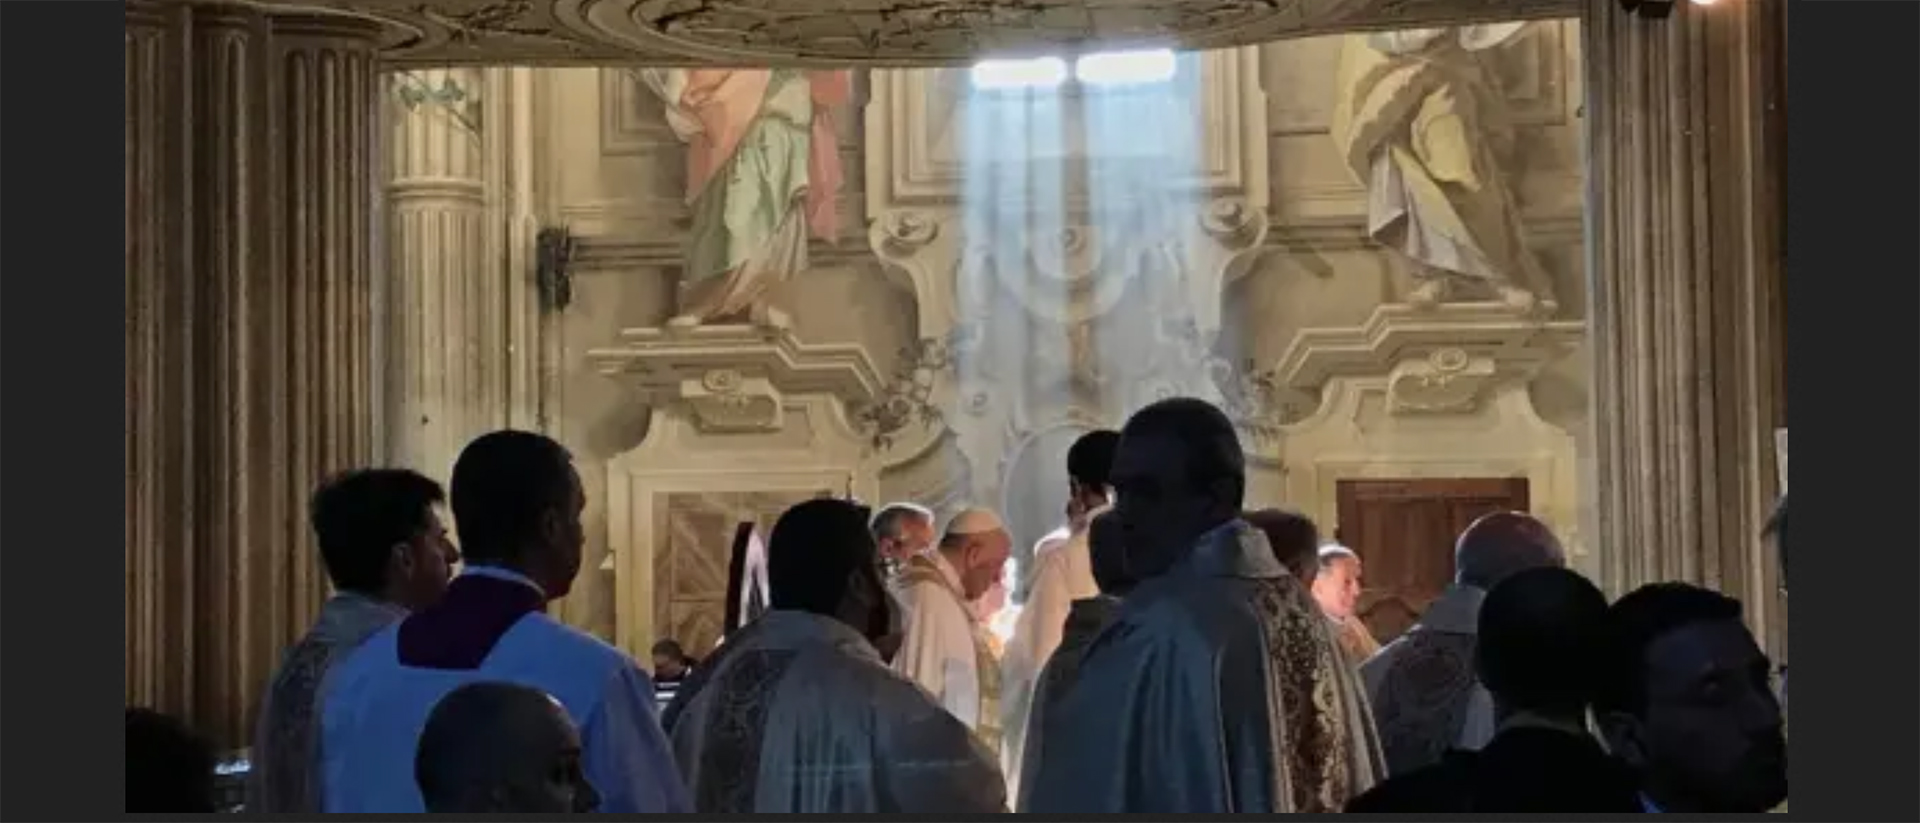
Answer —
908 397
450 97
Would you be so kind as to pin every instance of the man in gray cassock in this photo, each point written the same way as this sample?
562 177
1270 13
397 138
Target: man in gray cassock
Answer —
1425 693
1085 619
1217 688
797 713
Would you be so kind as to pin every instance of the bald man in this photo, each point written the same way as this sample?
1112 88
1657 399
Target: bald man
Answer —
492 747
1427 698
945 647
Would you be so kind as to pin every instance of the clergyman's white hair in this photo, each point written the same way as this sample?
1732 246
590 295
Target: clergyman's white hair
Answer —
888 520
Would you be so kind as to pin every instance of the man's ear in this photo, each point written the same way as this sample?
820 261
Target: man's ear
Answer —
1623 736
400 558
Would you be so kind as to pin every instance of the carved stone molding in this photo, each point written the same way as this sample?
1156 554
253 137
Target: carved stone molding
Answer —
736 379
838 33
1443 360
1688 133
251 144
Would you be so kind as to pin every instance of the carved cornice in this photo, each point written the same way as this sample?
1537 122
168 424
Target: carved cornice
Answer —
605 253
1439 360
735 378
838 33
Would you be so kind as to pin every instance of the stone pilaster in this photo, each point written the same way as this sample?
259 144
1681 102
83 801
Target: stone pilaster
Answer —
1687 134
250 190
448 283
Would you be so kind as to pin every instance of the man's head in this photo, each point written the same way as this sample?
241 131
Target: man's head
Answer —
1294 538
820 559
1539 640
1090 469
978 545
380 537
1107 551
1776 533
1336 587
1178 473
169 767
501 748
1686 699
902 530
1502 544
669 660
517 501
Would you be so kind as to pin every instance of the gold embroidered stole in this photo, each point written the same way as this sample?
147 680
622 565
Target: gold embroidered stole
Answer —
923 569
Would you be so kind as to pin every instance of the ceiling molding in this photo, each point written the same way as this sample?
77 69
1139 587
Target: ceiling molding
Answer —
865 33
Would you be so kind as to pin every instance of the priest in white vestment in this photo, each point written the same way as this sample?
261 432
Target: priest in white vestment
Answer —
1424 688
1217 688
517 504
1062 575
947 649
798 714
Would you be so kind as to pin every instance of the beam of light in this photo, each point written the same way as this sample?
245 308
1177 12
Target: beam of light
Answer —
1143 151
1103 149
1015 167
1125 68
1028 73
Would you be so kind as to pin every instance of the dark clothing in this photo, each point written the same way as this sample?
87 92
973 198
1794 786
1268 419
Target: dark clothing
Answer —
1526 769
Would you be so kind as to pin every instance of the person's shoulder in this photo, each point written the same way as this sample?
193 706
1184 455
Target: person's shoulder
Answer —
1439 788
348 665
569 645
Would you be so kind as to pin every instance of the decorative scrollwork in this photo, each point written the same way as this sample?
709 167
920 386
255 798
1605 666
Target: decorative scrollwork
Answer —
449 98
908 398
1255 398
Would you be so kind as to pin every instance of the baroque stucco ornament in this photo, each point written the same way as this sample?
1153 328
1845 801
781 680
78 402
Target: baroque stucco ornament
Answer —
842 33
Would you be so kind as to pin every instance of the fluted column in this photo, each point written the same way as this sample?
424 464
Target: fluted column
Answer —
447 282
1686 135
249 335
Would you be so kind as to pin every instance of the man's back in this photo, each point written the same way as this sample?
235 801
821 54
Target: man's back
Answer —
1426 698
797 714
1217 689
1523 770
375 707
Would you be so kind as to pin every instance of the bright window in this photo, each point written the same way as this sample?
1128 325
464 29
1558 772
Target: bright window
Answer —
1100 68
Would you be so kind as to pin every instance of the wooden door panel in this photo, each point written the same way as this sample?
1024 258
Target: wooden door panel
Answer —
1404 529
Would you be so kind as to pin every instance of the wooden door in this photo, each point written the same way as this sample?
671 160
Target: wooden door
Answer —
1403 530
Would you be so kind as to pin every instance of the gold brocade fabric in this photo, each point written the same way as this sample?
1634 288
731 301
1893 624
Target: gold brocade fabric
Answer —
922 569
1310 739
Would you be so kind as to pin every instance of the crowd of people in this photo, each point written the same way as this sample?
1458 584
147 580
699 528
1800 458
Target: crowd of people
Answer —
1175 653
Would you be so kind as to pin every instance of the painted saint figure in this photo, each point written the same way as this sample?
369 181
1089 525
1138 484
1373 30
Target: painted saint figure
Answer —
1422 125
763 168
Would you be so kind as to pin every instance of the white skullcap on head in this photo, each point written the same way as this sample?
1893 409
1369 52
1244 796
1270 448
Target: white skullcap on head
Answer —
1335 551
975 521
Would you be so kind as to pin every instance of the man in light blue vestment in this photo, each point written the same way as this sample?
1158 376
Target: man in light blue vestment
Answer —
517 504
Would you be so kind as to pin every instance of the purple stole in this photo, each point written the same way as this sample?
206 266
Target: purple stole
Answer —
461 630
